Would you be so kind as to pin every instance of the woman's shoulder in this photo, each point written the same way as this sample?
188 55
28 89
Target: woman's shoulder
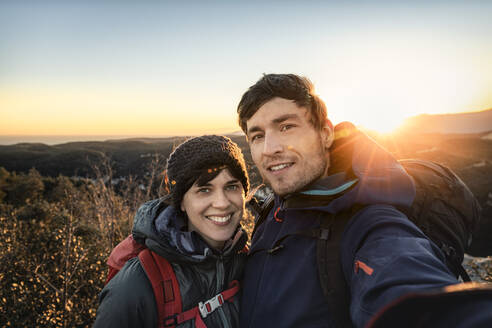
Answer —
128 299
131 273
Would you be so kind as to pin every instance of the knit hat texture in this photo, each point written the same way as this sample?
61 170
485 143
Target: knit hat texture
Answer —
189 160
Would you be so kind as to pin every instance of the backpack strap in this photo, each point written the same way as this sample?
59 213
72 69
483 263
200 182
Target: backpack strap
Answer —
262 211
330 271
165 285
464 275
453 262
168 297
203 309
128 248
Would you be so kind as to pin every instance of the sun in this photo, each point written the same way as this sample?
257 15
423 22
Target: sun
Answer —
384 123
381 121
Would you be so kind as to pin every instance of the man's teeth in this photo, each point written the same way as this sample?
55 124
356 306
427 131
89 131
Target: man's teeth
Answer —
278 167
220 218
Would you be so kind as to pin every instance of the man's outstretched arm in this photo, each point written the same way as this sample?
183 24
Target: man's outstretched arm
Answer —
386 256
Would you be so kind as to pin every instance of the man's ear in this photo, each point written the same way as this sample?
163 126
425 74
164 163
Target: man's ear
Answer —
328 134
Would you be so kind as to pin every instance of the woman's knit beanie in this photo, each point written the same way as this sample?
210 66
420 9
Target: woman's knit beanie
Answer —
191 158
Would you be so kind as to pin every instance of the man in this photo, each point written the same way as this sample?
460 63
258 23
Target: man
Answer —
383 255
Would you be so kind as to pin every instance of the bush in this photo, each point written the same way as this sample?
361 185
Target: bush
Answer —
50 277
54 243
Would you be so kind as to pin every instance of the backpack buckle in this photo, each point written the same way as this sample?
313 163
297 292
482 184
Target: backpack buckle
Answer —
170 321
209 306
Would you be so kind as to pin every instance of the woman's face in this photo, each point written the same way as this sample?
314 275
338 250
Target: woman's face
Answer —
215 209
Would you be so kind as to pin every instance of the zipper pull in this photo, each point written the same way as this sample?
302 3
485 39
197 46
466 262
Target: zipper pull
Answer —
275 249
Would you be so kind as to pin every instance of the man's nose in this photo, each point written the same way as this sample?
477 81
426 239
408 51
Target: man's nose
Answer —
272 145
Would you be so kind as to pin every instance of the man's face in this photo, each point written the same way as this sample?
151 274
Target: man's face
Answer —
288 151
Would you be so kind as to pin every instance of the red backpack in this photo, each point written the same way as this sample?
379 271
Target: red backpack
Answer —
165 285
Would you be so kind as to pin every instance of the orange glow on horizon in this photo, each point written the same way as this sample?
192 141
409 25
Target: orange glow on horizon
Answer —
72 112
85 112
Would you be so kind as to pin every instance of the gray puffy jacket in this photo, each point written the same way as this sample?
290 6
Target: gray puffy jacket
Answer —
128 299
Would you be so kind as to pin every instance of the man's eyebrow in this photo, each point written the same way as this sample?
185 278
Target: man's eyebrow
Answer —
277 120
284 118
253 129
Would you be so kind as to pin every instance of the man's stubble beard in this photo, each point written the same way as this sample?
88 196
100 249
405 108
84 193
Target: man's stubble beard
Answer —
312 173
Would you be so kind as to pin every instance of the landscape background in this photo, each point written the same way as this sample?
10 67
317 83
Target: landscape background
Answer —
94 95
64 207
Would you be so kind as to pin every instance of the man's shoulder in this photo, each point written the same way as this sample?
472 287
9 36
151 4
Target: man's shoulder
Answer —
378 219
378 222
379 212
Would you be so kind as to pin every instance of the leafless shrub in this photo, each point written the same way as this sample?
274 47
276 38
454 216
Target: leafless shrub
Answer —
53 249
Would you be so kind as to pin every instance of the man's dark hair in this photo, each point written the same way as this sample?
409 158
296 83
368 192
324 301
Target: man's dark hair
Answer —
287 86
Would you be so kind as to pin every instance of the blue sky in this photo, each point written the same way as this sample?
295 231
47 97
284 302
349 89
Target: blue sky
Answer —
166 68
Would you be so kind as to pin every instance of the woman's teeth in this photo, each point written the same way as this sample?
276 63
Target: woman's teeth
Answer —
219 218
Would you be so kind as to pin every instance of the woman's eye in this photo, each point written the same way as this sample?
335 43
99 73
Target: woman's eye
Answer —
204 190
232 187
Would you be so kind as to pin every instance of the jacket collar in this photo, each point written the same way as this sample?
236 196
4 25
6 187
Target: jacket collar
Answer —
361 172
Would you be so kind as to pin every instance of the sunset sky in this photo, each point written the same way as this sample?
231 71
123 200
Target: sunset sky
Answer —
154 68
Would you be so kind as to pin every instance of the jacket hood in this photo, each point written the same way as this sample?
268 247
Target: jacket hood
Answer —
361 172
162 229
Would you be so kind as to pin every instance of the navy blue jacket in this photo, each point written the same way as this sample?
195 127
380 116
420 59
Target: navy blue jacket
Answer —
383 254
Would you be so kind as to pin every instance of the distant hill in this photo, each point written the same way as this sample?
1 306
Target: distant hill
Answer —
127 156
473 122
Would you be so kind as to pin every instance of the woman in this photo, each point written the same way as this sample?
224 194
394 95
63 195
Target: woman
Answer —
196 229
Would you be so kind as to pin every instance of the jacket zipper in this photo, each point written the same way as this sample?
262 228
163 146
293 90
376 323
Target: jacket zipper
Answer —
262 275
220 288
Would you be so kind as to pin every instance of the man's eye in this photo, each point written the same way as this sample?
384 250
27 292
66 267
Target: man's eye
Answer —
204 190
256 137
286 127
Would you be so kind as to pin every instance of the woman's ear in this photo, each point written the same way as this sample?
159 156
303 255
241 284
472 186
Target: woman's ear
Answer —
328 134
182 207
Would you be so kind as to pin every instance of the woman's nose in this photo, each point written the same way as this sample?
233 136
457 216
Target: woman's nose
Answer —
220 200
